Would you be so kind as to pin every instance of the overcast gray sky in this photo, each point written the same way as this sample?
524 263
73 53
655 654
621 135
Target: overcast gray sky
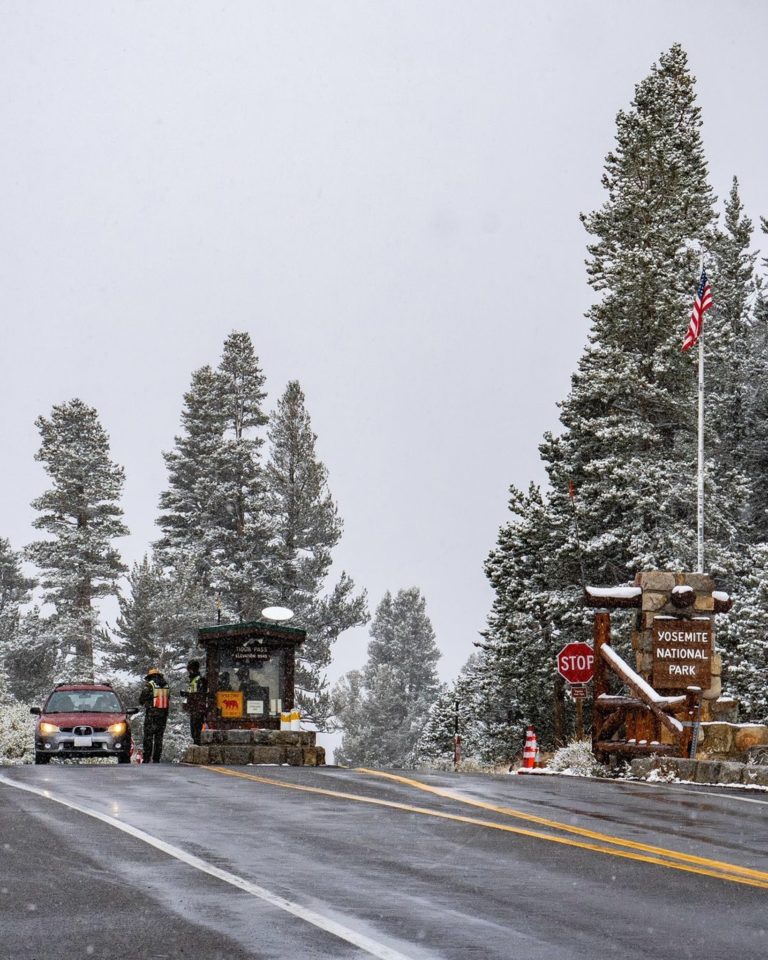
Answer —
385 195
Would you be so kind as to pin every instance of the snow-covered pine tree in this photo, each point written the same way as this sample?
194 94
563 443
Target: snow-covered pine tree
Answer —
186 517
629 444
158 622
242 529
347 706
15 590
305 527
26 660
213 508
747 667
397 687
731 341
728 336
535 572
756 415
81 515
435 745
628 448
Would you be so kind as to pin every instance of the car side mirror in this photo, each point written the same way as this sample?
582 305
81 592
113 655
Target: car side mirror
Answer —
132 712
35 710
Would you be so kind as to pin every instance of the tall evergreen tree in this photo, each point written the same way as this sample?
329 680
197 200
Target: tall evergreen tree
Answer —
630 418
15 590
486 720
81 515
756 413
25 662
729 330
158 622
187 505
213 508
384 709
305 527
628 447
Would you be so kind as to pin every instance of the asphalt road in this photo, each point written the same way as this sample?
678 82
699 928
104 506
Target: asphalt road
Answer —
304 863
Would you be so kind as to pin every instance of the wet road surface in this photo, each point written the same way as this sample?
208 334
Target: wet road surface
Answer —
255 862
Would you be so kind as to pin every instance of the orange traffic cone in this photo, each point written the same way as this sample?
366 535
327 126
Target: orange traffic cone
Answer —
529 750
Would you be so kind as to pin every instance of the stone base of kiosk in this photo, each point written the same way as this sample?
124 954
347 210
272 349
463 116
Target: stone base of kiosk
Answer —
241 747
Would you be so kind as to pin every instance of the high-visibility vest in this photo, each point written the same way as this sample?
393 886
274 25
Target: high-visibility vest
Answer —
194 683
161 696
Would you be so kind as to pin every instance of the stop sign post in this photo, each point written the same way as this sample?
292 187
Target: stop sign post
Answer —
576 662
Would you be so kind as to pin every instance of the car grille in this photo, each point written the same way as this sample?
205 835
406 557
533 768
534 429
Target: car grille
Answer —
83 731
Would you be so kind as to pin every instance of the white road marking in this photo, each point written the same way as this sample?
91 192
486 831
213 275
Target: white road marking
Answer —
370 946
721 796
673 788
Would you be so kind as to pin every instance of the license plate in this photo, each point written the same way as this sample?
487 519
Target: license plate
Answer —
83 742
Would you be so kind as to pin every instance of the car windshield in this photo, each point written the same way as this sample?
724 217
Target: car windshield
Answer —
83 701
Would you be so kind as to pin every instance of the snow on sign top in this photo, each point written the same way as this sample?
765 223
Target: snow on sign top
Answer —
277 613
619 593
721 595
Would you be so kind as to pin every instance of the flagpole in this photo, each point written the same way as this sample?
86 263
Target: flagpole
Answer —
700 477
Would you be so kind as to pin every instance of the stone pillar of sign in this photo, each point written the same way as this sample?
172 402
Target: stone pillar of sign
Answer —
683 596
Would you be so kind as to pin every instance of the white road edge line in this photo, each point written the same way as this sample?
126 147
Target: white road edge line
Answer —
680 788
379 950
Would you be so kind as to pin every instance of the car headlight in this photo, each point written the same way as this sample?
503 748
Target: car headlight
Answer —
47 728
117 728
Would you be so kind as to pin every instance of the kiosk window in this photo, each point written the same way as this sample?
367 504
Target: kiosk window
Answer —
257 674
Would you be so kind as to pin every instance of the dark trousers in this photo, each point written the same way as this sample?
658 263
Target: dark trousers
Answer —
154 728
196 721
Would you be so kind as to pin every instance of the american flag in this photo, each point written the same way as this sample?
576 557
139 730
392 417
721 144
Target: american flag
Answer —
701 304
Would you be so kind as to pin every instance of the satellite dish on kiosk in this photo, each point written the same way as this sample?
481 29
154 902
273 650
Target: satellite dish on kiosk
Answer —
277 613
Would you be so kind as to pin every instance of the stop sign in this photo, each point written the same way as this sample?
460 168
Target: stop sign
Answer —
576 662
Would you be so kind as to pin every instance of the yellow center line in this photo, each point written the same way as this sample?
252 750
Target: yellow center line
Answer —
568 828
760 881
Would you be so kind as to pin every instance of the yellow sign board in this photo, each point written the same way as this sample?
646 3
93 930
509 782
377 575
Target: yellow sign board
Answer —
230 703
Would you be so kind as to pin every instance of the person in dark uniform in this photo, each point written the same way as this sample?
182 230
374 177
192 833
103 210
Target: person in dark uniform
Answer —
195 699
156 698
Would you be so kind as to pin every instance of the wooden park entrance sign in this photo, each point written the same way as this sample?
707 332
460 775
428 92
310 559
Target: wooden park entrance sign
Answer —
682 653
676 673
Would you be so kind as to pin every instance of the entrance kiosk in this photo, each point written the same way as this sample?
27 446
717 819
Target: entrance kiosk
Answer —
250 668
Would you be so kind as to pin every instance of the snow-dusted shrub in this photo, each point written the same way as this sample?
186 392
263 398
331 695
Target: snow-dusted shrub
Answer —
17 733
177 739
467 765
577 760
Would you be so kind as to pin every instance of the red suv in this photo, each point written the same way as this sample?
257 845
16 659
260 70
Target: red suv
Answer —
83 720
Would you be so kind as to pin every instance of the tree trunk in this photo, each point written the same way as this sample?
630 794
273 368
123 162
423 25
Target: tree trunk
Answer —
558 713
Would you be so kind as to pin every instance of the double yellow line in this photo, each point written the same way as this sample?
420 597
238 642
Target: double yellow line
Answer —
592 840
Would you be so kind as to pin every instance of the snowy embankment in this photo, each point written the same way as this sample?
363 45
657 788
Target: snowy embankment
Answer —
17 733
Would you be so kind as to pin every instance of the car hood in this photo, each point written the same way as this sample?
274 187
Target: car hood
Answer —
83 719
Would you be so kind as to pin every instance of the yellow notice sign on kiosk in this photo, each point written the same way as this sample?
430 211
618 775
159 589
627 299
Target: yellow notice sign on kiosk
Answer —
230 703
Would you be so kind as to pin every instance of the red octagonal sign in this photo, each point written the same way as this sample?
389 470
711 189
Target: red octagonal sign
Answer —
576 662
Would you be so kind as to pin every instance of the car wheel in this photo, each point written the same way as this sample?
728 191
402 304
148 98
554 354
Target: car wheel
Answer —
42 757
123 758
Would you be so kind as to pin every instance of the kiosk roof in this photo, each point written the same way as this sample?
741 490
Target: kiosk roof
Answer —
253 628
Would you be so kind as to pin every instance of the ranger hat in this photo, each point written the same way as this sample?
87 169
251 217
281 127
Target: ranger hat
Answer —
153 672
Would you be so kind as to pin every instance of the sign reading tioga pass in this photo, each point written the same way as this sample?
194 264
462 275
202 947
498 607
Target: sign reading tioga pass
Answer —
682 653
